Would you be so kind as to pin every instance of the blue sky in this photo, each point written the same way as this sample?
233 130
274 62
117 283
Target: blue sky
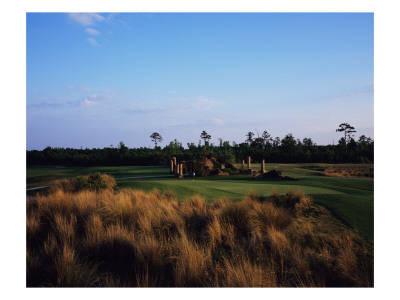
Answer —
93 80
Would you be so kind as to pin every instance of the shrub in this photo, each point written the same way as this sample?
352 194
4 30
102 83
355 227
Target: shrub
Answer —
95 182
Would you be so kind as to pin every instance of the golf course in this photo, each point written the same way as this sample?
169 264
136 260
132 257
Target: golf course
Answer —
348 199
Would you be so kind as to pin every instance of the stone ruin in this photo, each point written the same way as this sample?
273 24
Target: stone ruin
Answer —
204 167
260 174
274 173
210 166
176 169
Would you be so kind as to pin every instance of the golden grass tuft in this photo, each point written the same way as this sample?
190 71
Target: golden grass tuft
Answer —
214 232
133 238
277 240
352 260
65 185
297 201
275 198
190 263
244 273
266 215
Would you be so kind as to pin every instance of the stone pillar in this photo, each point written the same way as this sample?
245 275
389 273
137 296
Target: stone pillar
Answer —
263 166
172 166
179 170
249 163
243 164
174 161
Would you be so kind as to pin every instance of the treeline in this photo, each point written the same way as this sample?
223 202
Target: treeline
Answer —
286 150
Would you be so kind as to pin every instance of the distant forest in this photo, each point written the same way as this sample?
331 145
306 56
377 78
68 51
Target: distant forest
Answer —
286 150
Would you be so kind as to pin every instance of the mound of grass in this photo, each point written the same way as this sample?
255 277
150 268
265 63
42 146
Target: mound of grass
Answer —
95 182
147 239
273 174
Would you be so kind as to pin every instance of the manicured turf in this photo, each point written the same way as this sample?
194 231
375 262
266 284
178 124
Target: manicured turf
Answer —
349 199
39 176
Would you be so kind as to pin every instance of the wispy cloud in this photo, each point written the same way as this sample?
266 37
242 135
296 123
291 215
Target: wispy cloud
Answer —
88 103
99 97
97 92
93 19
367 91
59 104
178 106
93 42
81 96
92 31
142 109
86 19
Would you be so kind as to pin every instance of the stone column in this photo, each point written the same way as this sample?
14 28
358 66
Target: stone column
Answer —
263 166
243 164
181 170
249 163
175 171
172 166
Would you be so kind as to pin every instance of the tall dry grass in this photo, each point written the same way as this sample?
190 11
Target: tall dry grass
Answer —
136 239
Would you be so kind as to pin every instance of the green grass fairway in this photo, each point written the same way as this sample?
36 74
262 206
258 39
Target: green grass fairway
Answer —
211 188
40 176
349 199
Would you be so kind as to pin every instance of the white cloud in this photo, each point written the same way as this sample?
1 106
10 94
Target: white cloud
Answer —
88 103
92 31
99 97
93 42
86 19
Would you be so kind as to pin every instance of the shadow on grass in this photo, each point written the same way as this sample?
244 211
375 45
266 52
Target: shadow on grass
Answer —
353 211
